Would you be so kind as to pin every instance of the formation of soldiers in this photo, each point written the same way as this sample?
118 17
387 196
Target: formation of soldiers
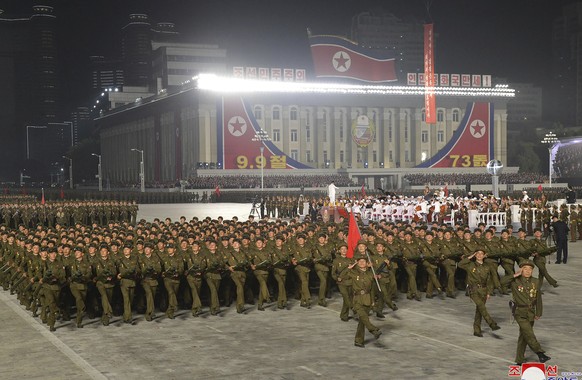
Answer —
120 268
28 212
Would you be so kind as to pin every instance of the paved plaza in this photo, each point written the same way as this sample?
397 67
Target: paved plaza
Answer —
429 339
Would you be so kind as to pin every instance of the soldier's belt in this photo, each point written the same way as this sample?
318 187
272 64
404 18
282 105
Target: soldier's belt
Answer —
361 293
530 306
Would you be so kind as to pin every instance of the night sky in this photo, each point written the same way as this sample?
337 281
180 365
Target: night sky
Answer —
505 38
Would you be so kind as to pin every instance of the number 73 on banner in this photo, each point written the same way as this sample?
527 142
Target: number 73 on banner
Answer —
258 162
466 160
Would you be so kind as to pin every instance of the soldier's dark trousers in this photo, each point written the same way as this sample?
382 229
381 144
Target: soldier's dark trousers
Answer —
79 292
479 297
363 323
172 286
127 291
526 338
346 292
562 252
540 262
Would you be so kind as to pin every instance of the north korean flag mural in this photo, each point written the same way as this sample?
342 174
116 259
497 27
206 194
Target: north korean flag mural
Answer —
240 140
337 57
471 144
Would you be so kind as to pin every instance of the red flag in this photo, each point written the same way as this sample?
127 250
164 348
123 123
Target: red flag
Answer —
337 57
217 191
62 194
353 236
363 191
540 188
42 199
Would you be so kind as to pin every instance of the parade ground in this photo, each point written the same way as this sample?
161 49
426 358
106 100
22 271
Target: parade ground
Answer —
431 339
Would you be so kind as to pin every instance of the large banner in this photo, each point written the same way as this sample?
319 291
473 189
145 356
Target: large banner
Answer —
471 144
337 57
240 140
429 99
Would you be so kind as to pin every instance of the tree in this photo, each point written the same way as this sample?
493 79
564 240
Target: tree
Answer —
527 160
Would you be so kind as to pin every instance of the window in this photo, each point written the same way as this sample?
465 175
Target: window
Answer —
294 135
456 116
440 115
341 126
308 156
423 115
424 136
341 157
258 113
307 133
359 157
406 133
325 156
406 156
389 126
276 135
294 154
440 136
293 113
276 113
390 157
374 156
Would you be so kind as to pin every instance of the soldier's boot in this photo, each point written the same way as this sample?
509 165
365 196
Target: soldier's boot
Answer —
543 357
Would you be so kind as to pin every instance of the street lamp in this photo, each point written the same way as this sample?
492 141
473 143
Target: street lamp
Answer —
99 171
550 140
70 171
141 170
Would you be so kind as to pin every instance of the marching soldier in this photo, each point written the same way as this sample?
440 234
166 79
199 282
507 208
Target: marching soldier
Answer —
362 282
480 287
81 275
431 255
215 266
260 264
322 257
128 273
54 277
151 267
302 260
238 263
173 268
527 298
340 263
281 263
106 273
541 250
411 254
382 265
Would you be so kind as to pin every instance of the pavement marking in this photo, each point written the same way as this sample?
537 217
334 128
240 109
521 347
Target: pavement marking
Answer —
214 328
310 370
461 347
91 371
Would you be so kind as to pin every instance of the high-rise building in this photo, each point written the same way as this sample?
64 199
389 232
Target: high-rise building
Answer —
565 101
106 73
29 77
384 31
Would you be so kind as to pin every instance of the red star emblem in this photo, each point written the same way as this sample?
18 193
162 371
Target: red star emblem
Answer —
341 61
237 126
478 130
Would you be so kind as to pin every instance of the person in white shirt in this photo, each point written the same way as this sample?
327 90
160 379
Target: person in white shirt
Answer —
331 189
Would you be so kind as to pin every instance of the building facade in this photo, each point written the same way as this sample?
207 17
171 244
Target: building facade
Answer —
182 132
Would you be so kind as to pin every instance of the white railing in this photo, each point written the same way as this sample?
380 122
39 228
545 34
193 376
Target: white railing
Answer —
496 219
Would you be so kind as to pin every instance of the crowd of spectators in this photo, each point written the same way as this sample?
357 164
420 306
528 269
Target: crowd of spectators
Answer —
270 181
473 179
568 161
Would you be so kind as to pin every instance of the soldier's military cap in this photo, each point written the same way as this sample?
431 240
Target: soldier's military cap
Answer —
279 237
103 245
429 233
477 230
149 244
322 234
301 236
128 245
537 229
170 245
381 242
79 248
52 250
139 242
408 233
521 230
343 245
362 241
28 241
359 257
237 240
44 248
246 236
114 242
527 262
93 245
509 227
389 233
260 238
223 238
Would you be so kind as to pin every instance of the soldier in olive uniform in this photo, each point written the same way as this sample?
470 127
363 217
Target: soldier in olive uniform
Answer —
362 282
302 260
322 257
260 263
238 263
106 273
541 250
129 270
574 215
196 265
431 255
215 266
527 296
54 277
151 267
340 263
480 288
281 262
173 269
382 265
81 275
411 254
